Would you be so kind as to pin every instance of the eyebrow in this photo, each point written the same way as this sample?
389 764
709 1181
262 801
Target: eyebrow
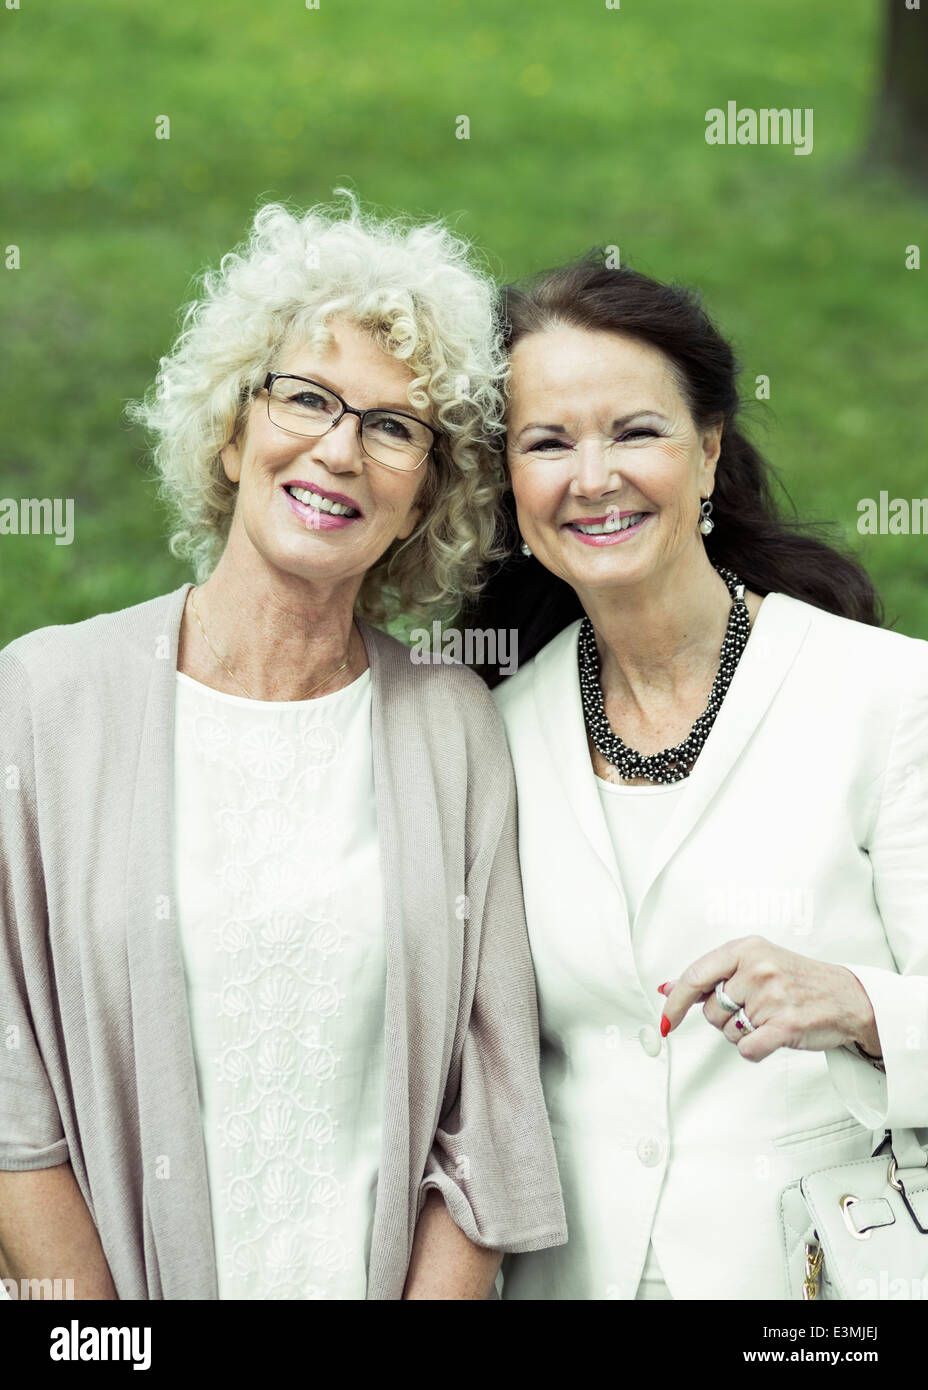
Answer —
617 424
401 409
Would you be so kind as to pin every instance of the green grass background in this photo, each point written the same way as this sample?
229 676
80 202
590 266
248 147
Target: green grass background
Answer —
587 126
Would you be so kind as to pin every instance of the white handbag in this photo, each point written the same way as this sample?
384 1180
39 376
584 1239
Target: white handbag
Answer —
859 1230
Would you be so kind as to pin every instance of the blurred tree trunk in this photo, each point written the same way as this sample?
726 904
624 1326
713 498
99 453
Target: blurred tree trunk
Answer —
900 130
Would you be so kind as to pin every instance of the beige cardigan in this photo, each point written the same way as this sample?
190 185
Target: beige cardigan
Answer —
96 1057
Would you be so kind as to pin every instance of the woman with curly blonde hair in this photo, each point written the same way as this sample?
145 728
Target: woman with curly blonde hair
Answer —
266 967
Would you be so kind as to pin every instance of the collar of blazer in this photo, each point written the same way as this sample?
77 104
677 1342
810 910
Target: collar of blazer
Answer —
779 631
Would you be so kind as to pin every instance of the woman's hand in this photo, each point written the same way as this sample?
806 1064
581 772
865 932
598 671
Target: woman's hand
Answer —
792 1000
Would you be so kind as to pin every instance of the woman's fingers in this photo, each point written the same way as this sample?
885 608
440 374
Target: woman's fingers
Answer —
792 1001
698 981
731 1031
754 1047
716 1015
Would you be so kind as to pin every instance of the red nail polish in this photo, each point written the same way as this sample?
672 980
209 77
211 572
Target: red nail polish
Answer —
661 988
665 1025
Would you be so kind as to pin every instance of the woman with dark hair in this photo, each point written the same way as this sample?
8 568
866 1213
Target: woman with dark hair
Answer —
722 766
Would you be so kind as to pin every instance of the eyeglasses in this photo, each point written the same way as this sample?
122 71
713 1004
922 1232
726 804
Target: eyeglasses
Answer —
389 437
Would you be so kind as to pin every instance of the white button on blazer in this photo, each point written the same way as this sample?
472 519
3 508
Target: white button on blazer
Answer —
805 821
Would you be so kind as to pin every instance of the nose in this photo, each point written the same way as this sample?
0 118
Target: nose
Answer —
339 449
595 469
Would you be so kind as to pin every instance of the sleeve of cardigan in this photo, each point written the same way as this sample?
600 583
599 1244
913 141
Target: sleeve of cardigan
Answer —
31 1134
897 1095
493 1157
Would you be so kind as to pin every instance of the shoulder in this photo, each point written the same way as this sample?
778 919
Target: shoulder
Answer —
442 715
549 669
68 656
446 687
877 657
512 692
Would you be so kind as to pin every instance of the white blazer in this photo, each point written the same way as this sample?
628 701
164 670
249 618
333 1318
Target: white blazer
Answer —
805 821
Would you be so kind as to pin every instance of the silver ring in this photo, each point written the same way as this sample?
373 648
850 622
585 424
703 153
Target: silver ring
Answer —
743 1023
725 1001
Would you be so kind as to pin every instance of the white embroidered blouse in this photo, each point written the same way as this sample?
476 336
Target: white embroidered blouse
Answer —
280 911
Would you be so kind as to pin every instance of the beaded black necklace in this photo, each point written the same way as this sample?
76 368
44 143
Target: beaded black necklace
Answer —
673 764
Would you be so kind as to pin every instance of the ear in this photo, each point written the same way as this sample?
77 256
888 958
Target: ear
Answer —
711 444
415 512
410 523
231 461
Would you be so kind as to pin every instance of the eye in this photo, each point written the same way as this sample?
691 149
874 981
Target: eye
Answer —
545 445
392 425
311 400
641 433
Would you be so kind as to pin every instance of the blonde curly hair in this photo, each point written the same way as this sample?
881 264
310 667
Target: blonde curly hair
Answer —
427 301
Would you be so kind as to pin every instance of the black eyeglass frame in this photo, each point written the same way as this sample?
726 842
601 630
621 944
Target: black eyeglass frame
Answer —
347 409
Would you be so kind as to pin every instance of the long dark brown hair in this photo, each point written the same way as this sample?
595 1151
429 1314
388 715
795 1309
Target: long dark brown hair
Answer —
770 551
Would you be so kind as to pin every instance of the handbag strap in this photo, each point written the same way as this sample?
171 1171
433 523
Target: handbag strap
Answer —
906 1149
908 1174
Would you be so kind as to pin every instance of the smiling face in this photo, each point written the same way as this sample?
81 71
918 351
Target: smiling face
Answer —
606 462
375 505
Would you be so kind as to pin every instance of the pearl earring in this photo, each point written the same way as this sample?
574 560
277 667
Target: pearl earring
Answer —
706 524
524 548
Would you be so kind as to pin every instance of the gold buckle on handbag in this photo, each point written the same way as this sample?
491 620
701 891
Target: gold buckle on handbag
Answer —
815 1257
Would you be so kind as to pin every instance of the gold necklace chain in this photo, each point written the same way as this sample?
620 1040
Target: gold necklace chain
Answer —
228 668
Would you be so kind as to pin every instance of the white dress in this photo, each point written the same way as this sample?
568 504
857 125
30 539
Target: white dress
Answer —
280 910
